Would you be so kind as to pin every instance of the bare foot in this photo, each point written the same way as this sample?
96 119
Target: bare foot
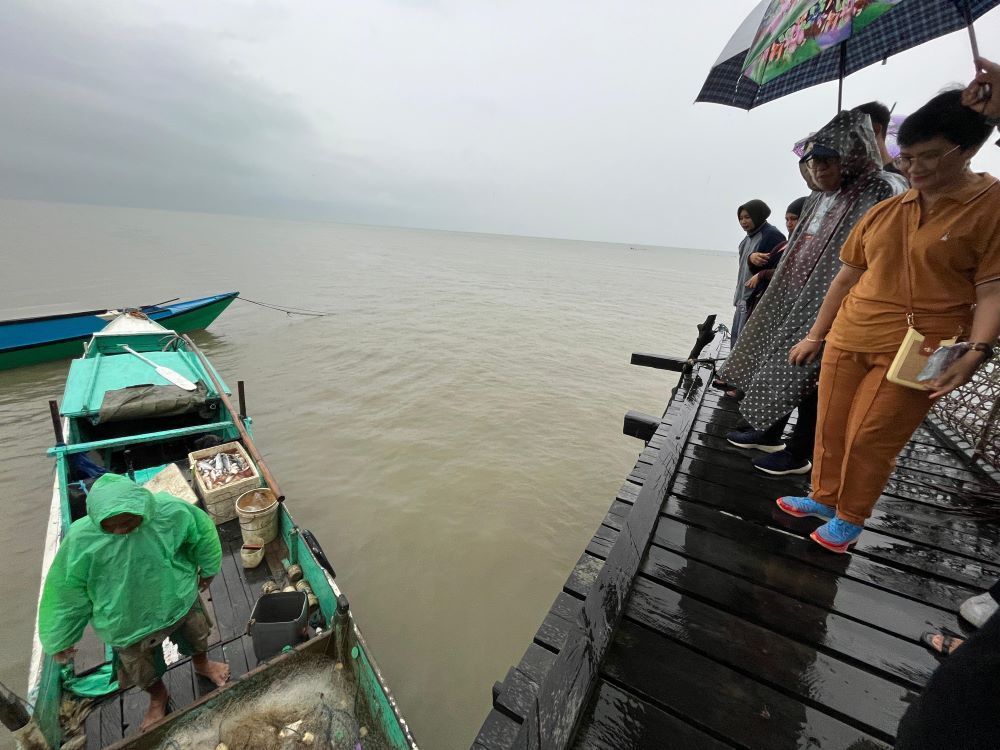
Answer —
158 699
216 671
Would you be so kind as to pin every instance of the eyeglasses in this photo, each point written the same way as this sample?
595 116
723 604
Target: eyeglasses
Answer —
930 162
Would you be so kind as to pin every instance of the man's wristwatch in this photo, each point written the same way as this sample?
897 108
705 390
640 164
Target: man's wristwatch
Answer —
986 349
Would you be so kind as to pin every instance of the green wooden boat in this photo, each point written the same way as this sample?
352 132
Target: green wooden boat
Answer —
121 415
28 341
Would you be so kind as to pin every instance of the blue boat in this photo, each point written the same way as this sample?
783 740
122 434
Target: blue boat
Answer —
27 341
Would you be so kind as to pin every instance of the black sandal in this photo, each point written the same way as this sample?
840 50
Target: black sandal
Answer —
947 645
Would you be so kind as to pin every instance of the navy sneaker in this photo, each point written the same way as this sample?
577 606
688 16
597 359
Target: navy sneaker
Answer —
782 462
754 439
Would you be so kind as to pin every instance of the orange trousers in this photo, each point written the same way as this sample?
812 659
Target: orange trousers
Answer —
863 422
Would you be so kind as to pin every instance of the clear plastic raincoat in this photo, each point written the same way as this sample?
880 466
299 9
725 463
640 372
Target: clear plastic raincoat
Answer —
127 585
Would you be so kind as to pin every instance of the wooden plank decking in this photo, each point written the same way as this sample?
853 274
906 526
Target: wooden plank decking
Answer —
700 616
232 595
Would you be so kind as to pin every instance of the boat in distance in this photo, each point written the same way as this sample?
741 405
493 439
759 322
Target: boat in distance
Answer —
28 341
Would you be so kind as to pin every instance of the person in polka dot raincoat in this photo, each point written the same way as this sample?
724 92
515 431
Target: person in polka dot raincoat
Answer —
758 364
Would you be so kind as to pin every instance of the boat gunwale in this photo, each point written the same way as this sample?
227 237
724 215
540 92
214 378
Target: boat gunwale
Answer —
94 313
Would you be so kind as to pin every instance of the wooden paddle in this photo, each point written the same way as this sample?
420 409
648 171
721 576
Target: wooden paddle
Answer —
164 372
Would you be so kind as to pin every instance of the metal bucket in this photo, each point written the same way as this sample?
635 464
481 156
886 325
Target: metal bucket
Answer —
258 512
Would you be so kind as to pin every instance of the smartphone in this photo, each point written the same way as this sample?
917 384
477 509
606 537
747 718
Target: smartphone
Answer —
942 358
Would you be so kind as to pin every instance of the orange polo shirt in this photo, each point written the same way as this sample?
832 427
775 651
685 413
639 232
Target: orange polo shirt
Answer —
956 248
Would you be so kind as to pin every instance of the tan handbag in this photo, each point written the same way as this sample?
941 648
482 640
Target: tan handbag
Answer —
916 348
911 358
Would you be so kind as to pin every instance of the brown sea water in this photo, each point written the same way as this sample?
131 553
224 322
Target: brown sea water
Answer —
451 430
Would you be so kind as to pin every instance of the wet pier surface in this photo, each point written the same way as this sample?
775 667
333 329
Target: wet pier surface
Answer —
701 616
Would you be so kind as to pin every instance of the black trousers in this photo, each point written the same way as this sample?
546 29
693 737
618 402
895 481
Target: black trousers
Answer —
960 707
803 438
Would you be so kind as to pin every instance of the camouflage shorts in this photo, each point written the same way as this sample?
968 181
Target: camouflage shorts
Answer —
141 664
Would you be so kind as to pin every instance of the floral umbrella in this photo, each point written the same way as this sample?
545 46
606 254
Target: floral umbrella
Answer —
790 45
793 32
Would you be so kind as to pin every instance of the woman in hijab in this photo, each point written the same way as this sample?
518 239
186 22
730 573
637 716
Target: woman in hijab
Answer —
844 162
762 237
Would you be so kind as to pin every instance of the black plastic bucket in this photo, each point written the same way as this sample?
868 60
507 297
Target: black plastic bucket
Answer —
278 620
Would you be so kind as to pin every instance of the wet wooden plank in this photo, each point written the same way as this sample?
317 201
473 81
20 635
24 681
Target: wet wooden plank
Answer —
111 719
915 556
179 680
904 508
616 720
887 611
798 598
737 707
234 654
497 733
248 651
926 525
92 729
776 541
134 705
517 695
798 550
222 611
238 597
760 615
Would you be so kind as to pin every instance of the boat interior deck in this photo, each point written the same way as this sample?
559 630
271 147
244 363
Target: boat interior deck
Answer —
229 600
700 616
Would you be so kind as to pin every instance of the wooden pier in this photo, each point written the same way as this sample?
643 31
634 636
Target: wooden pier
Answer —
701 616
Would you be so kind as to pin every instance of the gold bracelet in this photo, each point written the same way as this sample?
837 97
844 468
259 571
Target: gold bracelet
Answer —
815 341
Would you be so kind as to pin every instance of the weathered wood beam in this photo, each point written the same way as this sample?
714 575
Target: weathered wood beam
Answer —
640 425
706 334
658 361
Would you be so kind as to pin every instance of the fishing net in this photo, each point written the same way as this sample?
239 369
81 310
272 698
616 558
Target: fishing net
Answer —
309 704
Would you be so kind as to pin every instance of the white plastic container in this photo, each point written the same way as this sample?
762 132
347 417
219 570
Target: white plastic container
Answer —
258 512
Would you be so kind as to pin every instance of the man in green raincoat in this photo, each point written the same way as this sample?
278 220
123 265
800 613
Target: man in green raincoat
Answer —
133 567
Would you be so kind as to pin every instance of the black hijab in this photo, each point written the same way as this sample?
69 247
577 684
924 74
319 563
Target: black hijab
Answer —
758 211
795 207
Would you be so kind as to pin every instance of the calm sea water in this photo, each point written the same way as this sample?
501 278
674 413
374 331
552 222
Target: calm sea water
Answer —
451 430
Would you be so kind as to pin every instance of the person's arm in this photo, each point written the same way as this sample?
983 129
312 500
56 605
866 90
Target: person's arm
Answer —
65 607
203 541
985 329
808 349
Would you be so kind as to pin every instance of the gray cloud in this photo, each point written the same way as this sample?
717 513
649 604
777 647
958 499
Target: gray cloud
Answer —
566 118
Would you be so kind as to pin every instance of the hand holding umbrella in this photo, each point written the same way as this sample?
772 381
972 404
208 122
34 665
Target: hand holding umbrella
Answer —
983 93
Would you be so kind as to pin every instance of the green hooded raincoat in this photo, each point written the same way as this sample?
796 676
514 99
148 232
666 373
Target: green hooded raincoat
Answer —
127 585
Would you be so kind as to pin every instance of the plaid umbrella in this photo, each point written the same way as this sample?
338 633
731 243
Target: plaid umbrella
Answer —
910 23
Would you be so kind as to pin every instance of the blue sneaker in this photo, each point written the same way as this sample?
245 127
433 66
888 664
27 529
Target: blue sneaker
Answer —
801 507
781 463
837 535
754 439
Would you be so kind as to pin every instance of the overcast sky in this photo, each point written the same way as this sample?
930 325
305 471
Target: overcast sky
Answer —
559 118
